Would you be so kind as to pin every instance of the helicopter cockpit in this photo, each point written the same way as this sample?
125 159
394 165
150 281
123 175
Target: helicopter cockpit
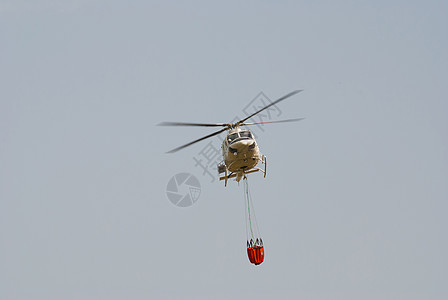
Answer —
237 136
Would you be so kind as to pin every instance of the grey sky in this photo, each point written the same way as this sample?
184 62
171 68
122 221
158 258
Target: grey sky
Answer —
354 204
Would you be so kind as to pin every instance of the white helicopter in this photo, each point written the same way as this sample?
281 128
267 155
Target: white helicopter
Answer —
240 151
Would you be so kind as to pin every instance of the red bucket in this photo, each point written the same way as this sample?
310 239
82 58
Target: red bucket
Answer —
255 254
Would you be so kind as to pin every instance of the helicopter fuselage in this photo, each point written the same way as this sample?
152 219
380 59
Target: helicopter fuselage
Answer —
240 152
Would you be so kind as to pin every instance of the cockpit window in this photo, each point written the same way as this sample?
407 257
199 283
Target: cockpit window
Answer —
246 134
242 135
232 137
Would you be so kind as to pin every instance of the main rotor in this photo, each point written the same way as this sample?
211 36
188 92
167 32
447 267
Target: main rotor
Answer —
228 126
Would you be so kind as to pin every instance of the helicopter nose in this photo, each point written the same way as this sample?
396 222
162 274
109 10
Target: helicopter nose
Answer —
242 145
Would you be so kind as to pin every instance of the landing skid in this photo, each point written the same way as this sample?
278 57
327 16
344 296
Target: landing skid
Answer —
242 174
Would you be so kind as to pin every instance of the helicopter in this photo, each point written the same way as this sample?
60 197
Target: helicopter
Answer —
240 150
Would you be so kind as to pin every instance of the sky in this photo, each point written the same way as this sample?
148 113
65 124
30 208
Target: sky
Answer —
355 198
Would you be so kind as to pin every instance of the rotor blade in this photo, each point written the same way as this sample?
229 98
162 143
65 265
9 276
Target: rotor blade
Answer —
281 121
198 140
269 105
192 124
